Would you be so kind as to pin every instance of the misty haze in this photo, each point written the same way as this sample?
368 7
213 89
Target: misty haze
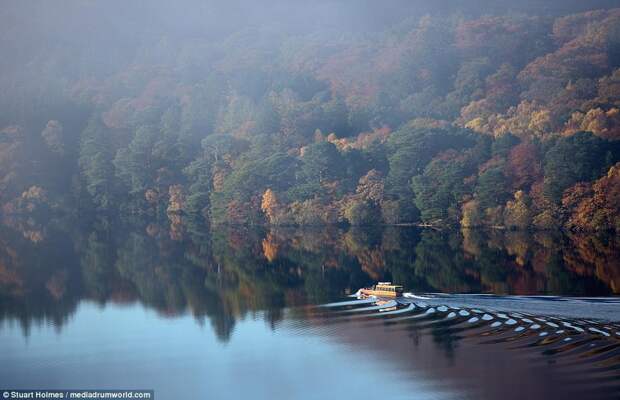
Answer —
409 199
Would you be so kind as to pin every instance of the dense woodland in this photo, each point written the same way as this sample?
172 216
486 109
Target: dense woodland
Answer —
503 117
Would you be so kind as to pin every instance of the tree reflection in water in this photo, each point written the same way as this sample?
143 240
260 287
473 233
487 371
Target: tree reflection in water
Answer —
222 275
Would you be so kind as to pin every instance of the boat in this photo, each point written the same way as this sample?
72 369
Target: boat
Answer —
383 289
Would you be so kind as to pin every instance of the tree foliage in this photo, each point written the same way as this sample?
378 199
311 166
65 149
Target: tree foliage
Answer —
483 117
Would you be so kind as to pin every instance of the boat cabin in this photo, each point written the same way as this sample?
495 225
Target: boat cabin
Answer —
384 289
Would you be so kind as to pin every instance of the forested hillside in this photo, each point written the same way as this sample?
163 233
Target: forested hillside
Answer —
440 114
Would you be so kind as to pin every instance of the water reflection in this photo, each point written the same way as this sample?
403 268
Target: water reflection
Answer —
485 354
231 281
221 275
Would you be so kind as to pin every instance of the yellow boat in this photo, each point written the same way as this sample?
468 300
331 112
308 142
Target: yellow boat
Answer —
383 289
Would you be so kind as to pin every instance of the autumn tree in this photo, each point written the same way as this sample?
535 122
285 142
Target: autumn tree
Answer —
523 166
370 187
271 207
595 207
517 212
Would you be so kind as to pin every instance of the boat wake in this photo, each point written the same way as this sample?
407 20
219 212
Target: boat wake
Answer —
593 308
577 330
578 337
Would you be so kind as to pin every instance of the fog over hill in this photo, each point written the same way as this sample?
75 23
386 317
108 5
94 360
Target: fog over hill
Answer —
471 113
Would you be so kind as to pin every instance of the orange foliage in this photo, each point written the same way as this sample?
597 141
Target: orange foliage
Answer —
177 228
177 199
270 247
591 256
370 187
57 284
584 55
595 206
10 281
523 166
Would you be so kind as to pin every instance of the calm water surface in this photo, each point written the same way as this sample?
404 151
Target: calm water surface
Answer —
271 314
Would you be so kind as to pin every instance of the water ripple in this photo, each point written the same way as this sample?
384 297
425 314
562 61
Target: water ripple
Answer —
569 331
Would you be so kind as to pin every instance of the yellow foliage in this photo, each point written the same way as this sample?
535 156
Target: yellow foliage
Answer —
525 120
517 212
34 193
476 124
471 214
540 121
605 124
177 199
269 205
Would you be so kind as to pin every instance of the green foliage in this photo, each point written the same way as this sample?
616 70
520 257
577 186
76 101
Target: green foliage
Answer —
410 150
440 188
198 174
247 183
219 147
360 212
501 146
96 166
454 114
321 162
581 157
136 163
491 188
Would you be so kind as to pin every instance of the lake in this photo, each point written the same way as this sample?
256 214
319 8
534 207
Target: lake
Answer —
232 313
